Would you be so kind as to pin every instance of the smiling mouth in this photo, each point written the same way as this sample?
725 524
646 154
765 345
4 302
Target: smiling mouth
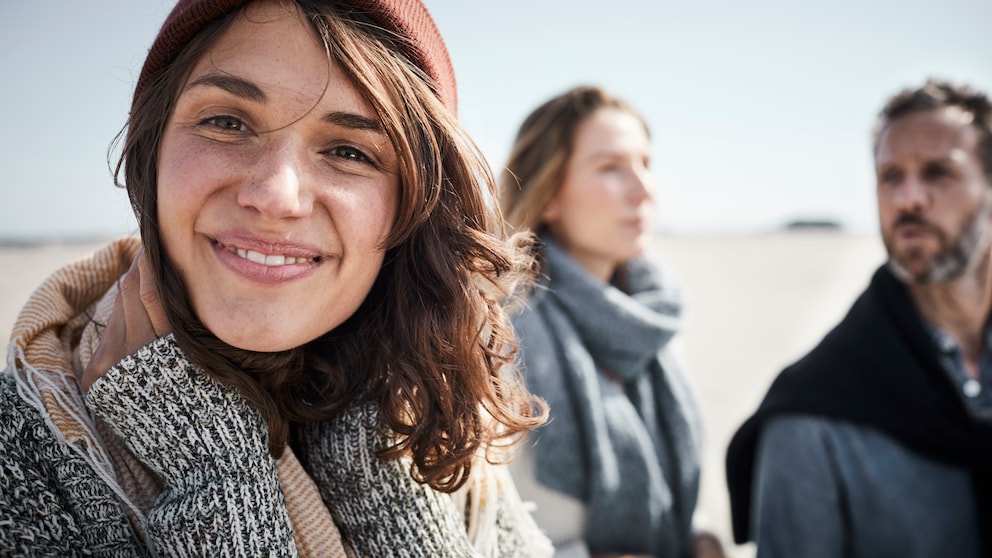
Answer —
271 260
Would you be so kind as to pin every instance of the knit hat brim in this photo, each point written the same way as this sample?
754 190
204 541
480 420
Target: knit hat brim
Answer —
407 18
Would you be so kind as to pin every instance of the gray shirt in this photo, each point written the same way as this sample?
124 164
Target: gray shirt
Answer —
977 393
827 488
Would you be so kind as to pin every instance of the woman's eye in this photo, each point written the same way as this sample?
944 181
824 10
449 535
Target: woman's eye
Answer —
226 123
349 153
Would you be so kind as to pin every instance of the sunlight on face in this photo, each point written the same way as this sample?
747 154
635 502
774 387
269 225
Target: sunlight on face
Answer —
602 214
277 185
934 201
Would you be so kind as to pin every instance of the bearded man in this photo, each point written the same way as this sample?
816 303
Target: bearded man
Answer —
878 442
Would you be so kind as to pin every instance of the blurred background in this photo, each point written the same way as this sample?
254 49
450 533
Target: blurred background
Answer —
760 112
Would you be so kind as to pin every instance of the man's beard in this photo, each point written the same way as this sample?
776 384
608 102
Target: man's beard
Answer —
954 257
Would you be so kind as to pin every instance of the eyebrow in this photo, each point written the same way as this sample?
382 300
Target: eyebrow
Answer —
251 92
610 154
235 86
353 121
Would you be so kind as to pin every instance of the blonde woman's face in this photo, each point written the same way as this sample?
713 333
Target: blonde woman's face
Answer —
276 185
602 214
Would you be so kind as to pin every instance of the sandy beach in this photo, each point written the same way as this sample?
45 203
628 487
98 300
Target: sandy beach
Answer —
755 303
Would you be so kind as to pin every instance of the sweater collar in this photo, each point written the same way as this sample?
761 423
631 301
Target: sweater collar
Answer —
623 329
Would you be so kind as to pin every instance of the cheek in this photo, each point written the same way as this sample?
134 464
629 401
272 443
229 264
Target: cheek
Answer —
189 168
176 187
601 192
364 219
381 213
190 179
885 204
169 208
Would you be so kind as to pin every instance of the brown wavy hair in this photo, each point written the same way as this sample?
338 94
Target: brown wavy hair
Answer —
536 168
431 344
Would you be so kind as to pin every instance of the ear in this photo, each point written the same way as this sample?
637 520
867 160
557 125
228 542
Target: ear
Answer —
551 212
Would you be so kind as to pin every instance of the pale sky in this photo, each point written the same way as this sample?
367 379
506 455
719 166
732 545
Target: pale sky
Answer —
760 110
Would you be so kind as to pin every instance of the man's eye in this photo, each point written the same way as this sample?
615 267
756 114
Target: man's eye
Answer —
890 177
936 171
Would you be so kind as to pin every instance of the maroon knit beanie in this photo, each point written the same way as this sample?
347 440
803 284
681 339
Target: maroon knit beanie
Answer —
408 18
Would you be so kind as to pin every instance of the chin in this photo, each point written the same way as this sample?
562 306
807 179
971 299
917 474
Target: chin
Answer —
259 345
634 251
259 341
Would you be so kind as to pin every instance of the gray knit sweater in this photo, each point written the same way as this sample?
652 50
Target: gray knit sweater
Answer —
221 494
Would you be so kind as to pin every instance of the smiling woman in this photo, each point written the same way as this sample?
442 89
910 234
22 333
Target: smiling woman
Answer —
616 469
275 161
306 351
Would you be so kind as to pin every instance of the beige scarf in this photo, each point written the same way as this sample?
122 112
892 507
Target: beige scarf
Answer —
53 339
55 336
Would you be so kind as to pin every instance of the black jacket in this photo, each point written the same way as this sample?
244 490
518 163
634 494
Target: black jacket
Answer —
879 367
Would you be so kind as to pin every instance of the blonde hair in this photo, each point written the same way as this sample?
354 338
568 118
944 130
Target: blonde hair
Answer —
541 152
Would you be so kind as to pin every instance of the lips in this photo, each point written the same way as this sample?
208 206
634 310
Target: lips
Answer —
912 230
265 261
272 260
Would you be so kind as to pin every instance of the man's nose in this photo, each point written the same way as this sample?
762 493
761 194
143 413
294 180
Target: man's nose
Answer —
911 195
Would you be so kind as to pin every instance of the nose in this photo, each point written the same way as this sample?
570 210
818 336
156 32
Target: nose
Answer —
275 187
910 195
640 185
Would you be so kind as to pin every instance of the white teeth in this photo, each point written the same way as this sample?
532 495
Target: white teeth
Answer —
272 260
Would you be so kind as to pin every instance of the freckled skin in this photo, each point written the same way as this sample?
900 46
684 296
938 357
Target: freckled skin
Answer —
257 156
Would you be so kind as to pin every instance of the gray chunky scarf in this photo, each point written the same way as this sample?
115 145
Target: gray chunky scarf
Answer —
624 434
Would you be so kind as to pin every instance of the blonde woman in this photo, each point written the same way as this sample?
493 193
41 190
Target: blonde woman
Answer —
616 468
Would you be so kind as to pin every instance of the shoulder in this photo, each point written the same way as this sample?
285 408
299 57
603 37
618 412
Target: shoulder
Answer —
24 434
350 443
789 445
526 314
531 326
375 502
796 435
49 494
851 452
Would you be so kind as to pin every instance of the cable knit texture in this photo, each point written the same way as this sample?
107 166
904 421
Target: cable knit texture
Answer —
382 511
51 342
51 502
221 494
210 447
216 490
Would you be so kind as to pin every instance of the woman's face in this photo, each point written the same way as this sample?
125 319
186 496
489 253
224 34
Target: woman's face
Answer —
602 212
276 185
